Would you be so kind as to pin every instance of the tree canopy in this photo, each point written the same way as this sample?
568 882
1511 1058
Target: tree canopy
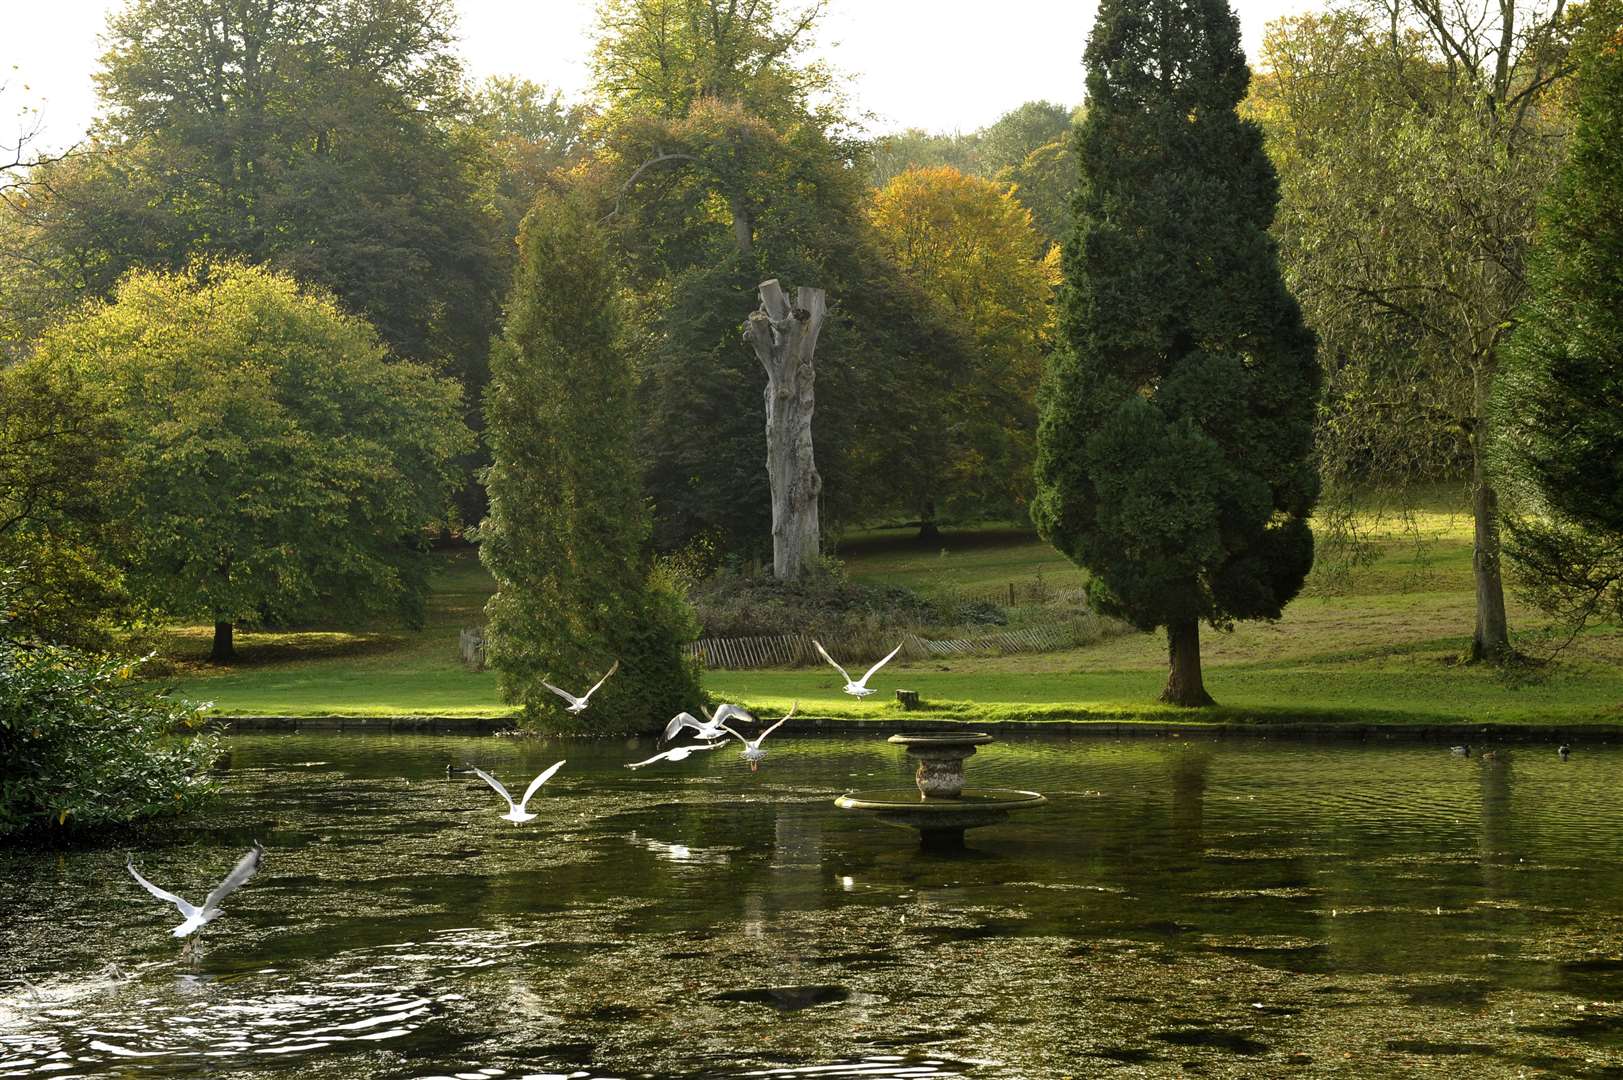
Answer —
321 138
968 245
276 462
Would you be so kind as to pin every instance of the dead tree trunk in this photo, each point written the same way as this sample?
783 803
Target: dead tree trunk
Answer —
784 339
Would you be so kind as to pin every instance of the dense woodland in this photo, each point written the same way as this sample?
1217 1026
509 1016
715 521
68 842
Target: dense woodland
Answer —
287 315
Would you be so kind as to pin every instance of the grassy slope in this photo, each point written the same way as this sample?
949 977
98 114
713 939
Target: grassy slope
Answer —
1386 649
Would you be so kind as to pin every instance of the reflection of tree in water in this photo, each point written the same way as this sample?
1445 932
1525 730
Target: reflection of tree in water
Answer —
1188 771
1496 843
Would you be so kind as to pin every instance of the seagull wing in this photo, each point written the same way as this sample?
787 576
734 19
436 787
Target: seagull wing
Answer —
727 712
565 694
615 667
879 665
734 734
495 783
246 867
678 722
186 909
538 781
830 659
663 756
779 724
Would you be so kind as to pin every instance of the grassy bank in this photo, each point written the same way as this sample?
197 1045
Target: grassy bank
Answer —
1382 648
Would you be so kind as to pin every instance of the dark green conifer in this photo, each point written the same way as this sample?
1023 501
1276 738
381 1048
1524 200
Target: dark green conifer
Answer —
566 537
1559 395
1176 434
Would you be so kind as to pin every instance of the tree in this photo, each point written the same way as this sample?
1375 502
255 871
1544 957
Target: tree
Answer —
59 467
1176 432
1558 400
276 461
967 244
323 138
531 133
566 538
1413 139
915 148
1011 138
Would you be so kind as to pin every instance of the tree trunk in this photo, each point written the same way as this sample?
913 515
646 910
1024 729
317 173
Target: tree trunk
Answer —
928 530
1184 685
224 651
743 225
784 339
1492 638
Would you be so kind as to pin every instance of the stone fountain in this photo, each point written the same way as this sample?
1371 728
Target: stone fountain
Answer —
942 807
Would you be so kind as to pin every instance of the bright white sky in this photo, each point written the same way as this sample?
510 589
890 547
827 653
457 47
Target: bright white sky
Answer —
942 65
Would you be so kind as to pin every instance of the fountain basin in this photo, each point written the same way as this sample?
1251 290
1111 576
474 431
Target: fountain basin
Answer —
940 822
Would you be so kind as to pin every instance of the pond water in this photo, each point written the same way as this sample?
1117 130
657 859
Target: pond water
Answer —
1179 907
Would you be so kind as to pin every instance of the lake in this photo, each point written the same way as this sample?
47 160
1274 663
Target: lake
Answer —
1231 908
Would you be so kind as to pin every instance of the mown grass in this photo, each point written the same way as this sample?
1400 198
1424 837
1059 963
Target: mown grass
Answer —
1382 646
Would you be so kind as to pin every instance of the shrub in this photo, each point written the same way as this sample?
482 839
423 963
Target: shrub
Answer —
83 744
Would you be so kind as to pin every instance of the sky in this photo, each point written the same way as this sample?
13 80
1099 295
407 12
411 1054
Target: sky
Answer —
941 65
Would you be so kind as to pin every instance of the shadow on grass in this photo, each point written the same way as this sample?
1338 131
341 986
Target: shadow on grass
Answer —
185 650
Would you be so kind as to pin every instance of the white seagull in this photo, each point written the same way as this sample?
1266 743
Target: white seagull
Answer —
860 687
578 704
515 810
712 728
752 747
678 753
246 867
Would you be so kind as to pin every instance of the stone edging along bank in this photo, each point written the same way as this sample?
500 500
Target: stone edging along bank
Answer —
1350 730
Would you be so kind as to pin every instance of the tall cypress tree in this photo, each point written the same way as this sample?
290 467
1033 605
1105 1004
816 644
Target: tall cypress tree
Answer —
566 537
1559 397
1176 432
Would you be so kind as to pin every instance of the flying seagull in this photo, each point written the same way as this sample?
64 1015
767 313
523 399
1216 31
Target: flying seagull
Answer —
515 810
578 704
712 728
752 747
860 687
246 867
678 753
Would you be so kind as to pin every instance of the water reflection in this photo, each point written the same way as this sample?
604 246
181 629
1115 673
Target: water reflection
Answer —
1233 908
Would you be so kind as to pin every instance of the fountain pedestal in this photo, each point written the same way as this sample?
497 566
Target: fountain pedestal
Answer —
943 807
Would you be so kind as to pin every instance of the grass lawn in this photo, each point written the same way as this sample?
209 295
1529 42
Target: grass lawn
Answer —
1381 648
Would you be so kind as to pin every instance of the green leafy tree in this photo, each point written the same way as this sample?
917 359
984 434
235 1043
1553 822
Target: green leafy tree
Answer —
1559 395
566 538
969 246
323 138
276 462
915 148
1011 138
532 133
59 466
1413 140
1175 441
